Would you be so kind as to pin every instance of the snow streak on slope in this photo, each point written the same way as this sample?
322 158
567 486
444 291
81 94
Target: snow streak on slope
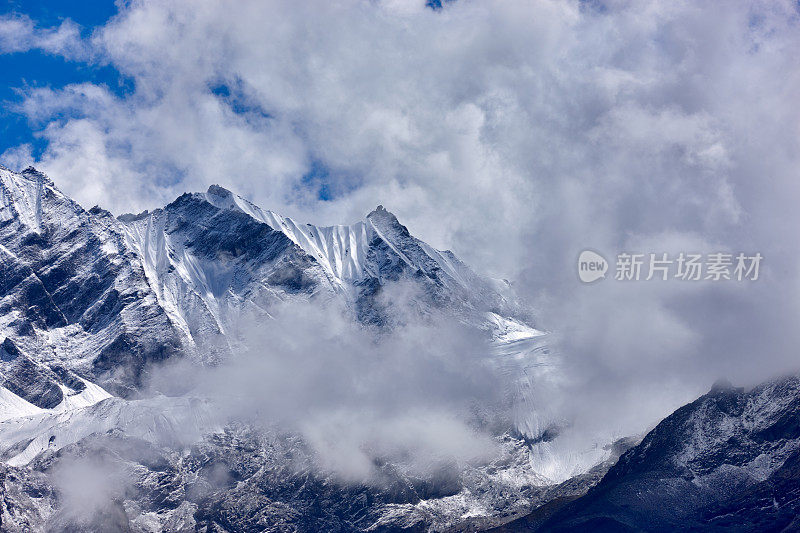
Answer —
343 250
177 295
21 196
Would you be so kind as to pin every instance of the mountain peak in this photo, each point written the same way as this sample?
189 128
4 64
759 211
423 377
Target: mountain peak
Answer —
133 217
387 222
31 171
217 190
381 213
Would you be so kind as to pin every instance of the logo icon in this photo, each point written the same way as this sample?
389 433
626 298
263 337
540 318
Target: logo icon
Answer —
591 266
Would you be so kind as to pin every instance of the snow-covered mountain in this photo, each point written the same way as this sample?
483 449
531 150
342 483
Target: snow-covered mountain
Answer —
74 299
729 461
102 297
92 304
89 302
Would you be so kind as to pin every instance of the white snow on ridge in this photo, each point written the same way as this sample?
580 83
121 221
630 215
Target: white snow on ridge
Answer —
90 395
12 406
341 249
159 420
20 196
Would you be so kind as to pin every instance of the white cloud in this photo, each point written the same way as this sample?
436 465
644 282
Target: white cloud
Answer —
515 133
411 395
18 33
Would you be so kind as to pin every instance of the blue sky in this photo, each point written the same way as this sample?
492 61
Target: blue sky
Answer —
36 68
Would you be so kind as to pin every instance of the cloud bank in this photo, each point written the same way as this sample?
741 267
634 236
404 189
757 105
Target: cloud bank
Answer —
423 395
515 133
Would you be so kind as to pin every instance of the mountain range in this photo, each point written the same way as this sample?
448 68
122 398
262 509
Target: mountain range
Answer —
93 306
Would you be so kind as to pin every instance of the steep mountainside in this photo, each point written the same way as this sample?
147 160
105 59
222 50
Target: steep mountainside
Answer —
729 461
90 302
74 300
101 297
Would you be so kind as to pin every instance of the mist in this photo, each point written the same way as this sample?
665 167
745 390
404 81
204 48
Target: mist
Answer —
422 393
516 134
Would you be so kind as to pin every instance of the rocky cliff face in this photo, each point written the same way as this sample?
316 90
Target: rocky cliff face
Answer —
71 293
